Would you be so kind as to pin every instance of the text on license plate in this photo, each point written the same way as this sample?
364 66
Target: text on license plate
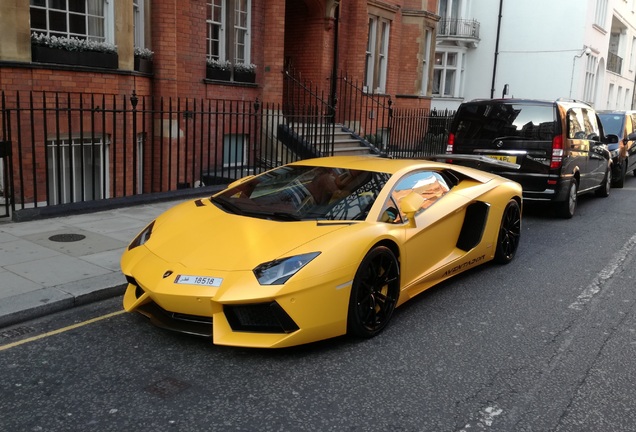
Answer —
511 159
198 280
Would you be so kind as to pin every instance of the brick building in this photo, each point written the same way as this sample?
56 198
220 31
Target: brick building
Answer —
384 46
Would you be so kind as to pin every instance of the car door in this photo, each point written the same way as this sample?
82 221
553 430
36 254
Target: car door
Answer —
630 145
431 239
598 154
578 147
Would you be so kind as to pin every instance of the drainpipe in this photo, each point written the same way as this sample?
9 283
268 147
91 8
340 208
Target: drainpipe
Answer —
494 67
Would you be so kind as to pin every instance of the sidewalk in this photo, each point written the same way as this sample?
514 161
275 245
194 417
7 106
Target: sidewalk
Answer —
53 264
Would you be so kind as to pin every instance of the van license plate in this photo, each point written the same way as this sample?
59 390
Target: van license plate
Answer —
511 159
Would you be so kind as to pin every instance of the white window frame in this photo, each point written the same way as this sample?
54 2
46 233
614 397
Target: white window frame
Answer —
108 21
71 150
377 54
600 16
443 69
229 28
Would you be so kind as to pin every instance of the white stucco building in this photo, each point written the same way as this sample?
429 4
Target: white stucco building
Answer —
545 49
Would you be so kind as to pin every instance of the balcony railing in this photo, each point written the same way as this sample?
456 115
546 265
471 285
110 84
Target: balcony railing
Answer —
614 63
455 27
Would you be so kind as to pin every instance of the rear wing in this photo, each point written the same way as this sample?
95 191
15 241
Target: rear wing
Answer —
483 163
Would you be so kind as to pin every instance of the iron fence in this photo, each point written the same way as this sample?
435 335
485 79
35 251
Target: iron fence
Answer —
71 148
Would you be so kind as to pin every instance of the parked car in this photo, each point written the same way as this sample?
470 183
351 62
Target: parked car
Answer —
559 146
317 248
623 125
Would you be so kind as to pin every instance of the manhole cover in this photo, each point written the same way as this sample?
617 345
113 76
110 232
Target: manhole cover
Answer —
66 238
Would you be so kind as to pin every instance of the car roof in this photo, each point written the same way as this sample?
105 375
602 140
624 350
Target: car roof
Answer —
522 101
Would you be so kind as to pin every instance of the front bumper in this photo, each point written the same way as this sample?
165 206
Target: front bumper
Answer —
240 312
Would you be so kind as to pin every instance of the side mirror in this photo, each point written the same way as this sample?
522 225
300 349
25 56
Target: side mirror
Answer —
411 204
611 139
631 136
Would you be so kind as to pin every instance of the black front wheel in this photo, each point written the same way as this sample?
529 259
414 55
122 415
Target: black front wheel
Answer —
509 233
374 294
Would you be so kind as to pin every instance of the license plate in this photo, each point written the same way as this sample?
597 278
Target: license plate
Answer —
198 280
511 159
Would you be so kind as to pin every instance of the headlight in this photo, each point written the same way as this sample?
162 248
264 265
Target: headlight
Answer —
277 272
142 237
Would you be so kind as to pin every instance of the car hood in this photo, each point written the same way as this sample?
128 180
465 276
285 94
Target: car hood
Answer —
206 237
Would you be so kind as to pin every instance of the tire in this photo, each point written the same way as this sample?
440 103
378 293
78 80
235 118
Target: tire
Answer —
509 233
374 294
620 182
604 188
567 208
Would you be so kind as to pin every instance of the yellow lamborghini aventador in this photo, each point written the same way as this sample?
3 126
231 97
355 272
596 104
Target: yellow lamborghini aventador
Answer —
317 248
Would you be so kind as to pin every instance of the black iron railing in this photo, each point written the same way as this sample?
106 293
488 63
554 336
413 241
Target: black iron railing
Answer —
455 27
70 148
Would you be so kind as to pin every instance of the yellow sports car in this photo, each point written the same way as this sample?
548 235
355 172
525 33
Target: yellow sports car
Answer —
317 248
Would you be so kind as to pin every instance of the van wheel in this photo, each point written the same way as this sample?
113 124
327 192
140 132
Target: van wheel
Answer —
567 208
620 181
604 188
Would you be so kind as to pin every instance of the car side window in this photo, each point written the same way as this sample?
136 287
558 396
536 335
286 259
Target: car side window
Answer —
429 185
576 129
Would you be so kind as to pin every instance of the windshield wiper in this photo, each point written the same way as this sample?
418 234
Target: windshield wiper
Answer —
227 205
282 216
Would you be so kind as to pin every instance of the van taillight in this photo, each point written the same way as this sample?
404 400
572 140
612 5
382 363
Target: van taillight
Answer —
557 152
450 143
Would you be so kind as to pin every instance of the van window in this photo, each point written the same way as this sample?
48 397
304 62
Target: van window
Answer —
582 124
490 121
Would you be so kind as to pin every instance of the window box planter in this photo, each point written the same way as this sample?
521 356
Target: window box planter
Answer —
217 74
143 65
244 76
44 54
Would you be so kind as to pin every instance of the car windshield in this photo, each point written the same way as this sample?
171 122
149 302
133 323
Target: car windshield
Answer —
292 193
612 123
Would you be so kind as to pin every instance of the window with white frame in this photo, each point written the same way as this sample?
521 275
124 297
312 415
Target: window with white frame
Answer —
235 148
83 19
589 90
445 74
77 170
138 23
600 16
229 30
375 71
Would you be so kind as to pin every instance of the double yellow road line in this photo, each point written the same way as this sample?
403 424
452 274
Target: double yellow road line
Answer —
61 330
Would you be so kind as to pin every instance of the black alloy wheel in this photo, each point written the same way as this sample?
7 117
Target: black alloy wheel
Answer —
509 233
567 208
604 188
375 291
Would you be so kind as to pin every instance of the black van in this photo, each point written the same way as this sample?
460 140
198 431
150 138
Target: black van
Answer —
559 146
